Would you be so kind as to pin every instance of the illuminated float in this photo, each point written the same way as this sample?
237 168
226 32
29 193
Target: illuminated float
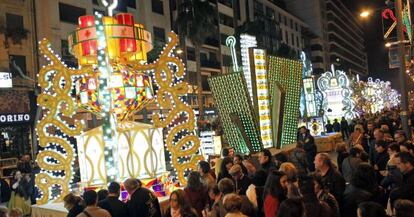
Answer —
113 81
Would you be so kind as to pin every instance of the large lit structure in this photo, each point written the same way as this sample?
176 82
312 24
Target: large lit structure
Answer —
336 91
307 102
113 82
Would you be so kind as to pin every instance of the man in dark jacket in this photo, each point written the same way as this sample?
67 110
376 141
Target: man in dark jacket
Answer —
241 180
298 157
381 159
266 161
405 163
313 207
336 126
308 143
331 178
112 204
329 127
5 192
142 203
344 128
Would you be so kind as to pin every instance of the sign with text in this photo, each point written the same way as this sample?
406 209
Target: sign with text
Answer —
14 118
6 80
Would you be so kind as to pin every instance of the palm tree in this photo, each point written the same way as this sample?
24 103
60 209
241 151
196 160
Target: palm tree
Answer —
197 21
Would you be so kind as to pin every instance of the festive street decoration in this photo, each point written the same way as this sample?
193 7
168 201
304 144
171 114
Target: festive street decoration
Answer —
246 42
308 106
336 91
288 74
113 82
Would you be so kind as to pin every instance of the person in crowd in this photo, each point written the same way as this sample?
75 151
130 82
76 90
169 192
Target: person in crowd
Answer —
405 163
379 138
351 163
357 137
92 210
370 209
336 126
266 161
214 196
233 204
238 159
291 208
404 208
225 152
15 212
280 158
196 192
341 155
241 181
331 178
5 192
255 191
21 192
102 194
249 165
298 157
371 141
393 149
308 144
4 212
363 187
381 159
290 170
142 202
25 164
329 127
111 203
387 133
73 204
313 206
180 206
393 177
206 177
322 193
344 128
274 193
225 186
226 165
401 139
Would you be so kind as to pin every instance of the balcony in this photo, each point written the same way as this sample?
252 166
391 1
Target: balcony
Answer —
214 64
212 42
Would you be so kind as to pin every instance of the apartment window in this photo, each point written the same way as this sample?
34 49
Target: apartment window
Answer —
223 38
286 37
157 6
292 38
258 8
204 83
285 20
95 2
190 53
226 20
159 34
270 13
14 22
279 17
296 27
67 57
132 4
291 23
192 78
70 14
297 41
20 62
227 3
227 60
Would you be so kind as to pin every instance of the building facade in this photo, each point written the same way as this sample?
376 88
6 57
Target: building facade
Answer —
339 38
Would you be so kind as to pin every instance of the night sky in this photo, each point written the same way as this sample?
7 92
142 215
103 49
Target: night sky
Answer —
374 42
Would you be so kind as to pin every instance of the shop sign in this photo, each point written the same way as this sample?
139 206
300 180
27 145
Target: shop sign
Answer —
6 80
14 118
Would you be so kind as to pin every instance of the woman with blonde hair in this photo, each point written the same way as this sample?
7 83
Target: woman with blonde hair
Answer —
290 170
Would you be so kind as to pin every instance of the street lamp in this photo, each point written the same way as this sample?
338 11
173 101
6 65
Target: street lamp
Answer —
365 14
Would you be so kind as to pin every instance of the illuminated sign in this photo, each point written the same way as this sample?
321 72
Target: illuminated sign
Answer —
14 118
6 80
262 92
246 42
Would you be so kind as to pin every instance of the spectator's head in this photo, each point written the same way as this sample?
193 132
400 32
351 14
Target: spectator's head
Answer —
299 144
404 147
102 194
203 167
225 152
341 147
265 157
16 212
232 203
343 118
4 212
259 178
404 208
405 162
393 149
323 162
237 159
359 128
381 146
226 165
17 175
400 136
378 134
71 200
364 177
226 186
329 121
214 192
194 181
370 209
251 169
290 170
178 200
306 185
291 208
236 172
280 158
303 130
114 189
364 156
355 152
319 185
131 185
26 158
370 126
335 120
276 185
90 198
